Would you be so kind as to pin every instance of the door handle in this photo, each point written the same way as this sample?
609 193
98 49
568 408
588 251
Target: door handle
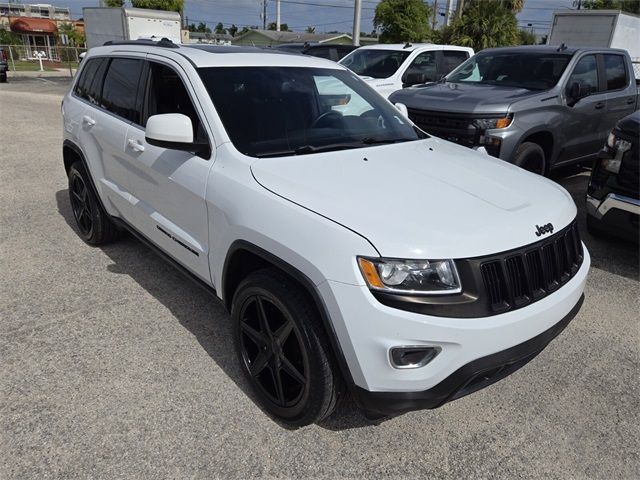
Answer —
87 120
599 105
135 145
631 100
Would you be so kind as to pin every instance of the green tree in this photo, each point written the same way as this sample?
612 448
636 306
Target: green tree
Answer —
219 29
9 38
403 21
527 37
485 24
232 30
113 3
170 5
202 27
630 6
283 27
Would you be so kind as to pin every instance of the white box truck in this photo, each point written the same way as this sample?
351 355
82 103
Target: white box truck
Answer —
120 24
598 28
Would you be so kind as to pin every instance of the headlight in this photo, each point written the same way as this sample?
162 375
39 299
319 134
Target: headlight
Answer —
617 147
427 277
492 123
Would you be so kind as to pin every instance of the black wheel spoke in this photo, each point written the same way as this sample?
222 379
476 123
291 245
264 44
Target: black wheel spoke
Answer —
260 362
288 367
78 197
253 334
262 317
283 332
277 381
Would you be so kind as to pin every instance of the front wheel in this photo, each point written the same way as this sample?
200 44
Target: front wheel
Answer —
283 349
531 157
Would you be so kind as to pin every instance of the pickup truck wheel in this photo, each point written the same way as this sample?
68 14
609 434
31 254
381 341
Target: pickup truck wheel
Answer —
94 224
530 156
283 350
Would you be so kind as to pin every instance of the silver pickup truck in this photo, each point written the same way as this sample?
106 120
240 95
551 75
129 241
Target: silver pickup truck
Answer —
534 106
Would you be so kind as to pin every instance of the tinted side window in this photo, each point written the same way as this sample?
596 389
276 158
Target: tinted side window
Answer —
167 94
121 86
615 72
585 71
425 63
89 84
451 59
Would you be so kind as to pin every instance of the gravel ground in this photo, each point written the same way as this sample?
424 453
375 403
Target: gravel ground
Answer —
112 365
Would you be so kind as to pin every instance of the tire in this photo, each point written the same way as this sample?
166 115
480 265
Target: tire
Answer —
267 305
594 227
94 224
531 157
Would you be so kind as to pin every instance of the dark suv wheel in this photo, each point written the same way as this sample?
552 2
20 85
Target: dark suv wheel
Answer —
283 349
94 224
530 156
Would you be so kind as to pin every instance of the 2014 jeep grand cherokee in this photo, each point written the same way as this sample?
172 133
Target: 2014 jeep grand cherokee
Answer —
354 252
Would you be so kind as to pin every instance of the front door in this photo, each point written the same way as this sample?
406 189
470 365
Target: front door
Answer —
168 186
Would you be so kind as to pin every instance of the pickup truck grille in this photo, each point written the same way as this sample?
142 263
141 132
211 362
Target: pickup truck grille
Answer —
629 175
454 128
526 275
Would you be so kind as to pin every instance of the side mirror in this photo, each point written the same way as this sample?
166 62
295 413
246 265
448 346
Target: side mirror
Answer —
173 131
402 108
413 78
577 91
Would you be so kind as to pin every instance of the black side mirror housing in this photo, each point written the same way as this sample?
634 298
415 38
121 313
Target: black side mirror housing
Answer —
413 78
577 91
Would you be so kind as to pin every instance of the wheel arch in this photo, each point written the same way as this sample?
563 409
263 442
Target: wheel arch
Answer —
244 257
545 139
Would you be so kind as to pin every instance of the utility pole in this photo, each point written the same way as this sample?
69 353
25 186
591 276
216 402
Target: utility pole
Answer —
277 15
447 14
264 14
357 12
459 8
434 21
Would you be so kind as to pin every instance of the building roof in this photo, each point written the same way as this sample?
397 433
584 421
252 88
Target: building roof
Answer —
294 37
32 25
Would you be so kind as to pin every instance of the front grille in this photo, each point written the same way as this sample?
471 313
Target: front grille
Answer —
526 275
454 128
629 175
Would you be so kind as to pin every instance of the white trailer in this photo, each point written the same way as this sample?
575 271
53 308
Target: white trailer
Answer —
597 28
120 24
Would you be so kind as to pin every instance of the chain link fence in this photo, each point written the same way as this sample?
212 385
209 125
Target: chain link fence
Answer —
22 58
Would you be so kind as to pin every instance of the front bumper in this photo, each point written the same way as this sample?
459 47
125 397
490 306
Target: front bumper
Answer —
599 208
367 330
468 379
615 214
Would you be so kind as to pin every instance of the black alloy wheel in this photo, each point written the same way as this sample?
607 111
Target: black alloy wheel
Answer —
94 224
79 196
273 353
283 348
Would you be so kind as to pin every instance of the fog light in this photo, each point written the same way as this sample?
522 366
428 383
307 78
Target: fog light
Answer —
412 357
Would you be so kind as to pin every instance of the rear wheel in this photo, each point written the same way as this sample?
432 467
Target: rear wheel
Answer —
283 350
94 224
531 157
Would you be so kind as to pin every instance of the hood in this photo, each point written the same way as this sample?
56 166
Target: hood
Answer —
630 125
422 199
460 97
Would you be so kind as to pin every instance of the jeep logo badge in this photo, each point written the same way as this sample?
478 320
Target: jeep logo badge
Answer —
541 230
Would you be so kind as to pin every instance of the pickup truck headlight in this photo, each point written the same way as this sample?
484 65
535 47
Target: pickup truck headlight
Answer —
492 123
617 147
426 277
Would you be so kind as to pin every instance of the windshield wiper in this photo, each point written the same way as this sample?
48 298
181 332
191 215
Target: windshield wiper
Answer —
306 149
380 141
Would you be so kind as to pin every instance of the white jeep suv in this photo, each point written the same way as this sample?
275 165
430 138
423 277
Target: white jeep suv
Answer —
354 252
391 67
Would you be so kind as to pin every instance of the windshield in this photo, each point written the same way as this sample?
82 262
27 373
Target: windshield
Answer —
530 70
375 63
280 111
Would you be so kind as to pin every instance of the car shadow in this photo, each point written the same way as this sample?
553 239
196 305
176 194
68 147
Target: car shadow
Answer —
608 253
197 310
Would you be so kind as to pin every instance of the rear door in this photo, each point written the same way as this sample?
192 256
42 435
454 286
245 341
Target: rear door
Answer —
620 88
168 186
108 87
449 60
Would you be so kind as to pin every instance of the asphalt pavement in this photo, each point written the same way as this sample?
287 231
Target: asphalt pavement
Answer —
112 365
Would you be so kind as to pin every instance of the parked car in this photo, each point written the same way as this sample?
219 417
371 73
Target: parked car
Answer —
613 196
4 66
353 250
388 68
330 51
534 106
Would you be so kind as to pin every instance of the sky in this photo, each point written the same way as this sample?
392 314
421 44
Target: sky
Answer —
324 15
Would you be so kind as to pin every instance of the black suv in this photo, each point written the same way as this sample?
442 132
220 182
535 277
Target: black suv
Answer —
613 197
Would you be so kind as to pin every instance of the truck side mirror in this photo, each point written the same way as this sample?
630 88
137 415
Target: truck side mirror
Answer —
577 91
413 78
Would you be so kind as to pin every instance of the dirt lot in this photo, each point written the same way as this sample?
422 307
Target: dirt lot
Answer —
112 365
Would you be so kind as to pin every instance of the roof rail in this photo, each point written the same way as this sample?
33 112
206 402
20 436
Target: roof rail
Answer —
163 42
